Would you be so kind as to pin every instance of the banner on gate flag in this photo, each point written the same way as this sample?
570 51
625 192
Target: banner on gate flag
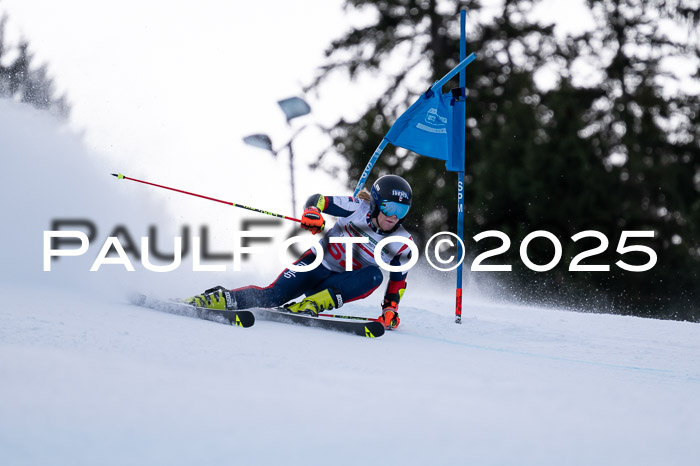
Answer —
426 128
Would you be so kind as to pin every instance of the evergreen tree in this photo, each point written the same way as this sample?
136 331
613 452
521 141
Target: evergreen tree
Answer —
20 81
643 128
501 106
619 153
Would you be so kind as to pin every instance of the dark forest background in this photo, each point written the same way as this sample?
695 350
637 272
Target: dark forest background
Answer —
612 145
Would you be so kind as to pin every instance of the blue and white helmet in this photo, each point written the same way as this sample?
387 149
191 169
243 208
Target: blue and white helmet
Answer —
391 195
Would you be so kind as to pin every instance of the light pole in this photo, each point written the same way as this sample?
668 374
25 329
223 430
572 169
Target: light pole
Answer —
292 107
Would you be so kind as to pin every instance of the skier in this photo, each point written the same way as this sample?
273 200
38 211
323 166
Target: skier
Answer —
373 215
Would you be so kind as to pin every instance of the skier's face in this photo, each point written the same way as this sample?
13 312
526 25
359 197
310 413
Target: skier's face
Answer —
386 223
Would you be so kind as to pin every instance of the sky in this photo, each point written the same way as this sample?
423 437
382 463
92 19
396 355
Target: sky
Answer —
172 91
180 86
169 92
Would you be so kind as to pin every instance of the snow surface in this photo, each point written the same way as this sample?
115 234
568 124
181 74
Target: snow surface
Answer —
86 378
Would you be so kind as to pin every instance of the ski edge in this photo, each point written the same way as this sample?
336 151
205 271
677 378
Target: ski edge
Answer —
346 324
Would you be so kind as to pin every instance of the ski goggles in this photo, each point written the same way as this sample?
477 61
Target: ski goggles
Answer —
390 208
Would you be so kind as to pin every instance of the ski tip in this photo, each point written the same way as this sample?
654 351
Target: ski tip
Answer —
119 176
374 331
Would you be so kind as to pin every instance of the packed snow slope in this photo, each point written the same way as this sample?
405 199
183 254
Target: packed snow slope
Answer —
87 378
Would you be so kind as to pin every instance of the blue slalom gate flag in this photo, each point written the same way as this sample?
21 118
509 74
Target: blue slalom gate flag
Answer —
430 127
426 128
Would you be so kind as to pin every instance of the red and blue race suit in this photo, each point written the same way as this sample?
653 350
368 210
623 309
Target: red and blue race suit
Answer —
354 220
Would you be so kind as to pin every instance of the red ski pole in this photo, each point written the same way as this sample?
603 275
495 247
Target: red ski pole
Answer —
122 177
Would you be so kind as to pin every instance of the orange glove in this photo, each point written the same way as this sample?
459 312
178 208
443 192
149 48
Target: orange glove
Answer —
312 220
390 314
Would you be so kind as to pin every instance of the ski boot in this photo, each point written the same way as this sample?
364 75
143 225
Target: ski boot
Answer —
219 298
312 305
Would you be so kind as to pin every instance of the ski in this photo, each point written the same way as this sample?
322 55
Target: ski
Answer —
237 318
338 316
361 326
